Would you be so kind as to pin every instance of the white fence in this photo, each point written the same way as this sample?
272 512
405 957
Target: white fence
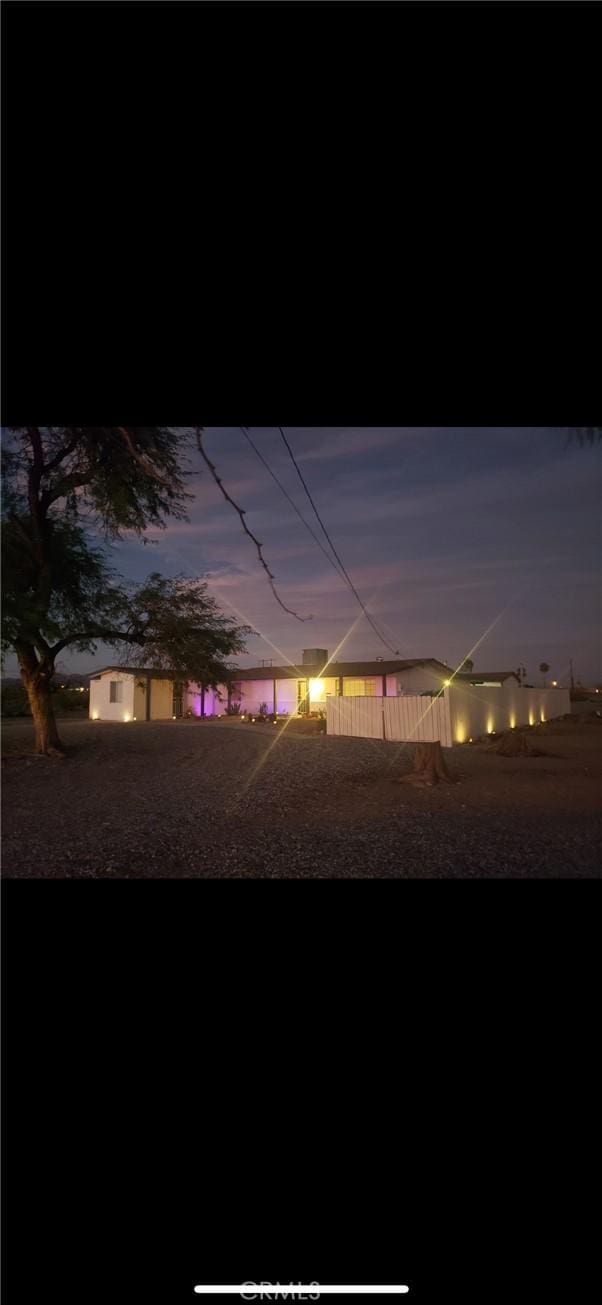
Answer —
399 720
458 714
477 710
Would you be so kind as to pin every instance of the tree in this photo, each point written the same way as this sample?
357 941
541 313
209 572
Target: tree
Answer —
67 492
544 668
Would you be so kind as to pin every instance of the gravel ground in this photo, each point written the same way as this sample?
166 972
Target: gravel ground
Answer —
225 800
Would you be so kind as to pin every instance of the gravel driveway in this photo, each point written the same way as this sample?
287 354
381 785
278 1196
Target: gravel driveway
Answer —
229 800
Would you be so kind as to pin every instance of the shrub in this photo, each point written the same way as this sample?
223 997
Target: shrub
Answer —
14 700
233 709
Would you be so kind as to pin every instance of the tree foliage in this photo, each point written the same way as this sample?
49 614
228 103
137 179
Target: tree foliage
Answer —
67 491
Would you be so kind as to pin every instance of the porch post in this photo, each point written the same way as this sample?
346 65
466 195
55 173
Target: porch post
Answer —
148 697
229 704
340 689
275 698
384 686
202 700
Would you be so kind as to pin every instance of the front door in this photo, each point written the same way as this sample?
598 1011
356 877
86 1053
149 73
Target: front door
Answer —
178 699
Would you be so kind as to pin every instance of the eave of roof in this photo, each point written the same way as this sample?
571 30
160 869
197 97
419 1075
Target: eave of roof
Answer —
476 677
333 670
134 670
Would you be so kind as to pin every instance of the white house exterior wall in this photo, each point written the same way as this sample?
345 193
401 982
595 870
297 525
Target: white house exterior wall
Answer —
100 706
418 679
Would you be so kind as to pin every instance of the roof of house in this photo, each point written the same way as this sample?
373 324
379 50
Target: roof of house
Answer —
477 677
134 670
334 669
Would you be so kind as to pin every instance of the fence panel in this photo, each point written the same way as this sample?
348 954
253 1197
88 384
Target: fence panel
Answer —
418 720
362 718
401 720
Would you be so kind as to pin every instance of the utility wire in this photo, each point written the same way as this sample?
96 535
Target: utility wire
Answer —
345 574
312 532
241 512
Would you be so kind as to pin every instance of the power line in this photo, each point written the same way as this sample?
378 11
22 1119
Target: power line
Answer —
345 574
312 532
200 430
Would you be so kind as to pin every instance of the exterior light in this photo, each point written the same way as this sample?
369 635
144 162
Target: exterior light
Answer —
173 718
446 684
126 715
554 684
94 715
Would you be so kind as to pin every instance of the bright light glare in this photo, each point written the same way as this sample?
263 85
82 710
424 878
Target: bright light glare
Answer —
317 690
126 715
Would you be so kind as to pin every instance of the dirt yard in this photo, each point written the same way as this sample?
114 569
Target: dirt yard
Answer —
224 799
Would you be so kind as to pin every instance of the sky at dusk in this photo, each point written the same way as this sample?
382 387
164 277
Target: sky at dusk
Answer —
441 529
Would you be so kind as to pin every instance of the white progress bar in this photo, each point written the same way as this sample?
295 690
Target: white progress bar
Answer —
282 1289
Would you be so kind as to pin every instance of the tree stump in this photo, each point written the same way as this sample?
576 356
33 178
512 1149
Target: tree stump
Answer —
514 744
429 766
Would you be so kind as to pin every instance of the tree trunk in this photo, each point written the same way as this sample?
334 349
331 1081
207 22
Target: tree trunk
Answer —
429 766
36 679
514 744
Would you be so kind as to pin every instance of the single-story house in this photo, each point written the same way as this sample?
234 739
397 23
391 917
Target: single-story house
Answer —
141 693
299 690
134 693
485 679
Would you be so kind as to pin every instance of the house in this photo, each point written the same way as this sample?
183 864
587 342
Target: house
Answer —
125 693
485 679
300 690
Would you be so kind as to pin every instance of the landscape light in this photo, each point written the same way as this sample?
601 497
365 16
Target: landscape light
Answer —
126 715
94 715
173 718
554 684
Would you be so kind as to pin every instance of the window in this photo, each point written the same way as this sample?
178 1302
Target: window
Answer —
116 691
359 688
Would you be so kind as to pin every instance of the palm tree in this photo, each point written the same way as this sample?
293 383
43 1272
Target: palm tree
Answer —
544 668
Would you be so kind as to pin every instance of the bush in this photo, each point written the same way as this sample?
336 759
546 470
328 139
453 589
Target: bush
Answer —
70 700
233 709
14 700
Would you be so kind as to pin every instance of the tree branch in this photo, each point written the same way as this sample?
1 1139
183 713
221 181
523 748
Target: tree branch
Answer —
63 453
108 636
241 513
63 487
140 458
